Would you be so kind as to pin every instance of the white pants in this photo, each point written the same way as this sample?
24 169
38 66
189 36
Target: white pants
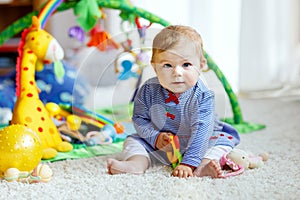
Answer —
132 147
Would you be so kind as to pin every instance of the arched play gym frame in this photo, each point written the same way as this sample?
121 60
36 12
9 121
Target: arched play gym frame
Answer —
128 10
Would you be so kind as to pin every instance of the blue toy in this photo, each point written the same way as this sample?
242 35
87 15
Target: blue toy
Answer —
52 89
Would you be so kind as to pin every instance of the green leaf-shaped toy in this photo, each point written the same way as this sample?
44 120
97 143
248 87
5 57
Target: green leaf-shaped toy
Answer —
87 12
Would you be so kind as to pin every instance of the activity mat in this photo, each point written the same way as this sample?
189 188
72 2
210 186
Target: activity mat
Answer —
29 112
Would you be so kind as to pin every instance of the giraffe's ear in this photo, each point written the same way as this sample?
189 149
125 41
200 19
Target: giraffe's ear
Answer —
35 23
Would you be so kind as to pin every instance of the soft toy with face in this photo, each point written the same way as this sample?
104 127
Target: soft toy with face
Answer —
246 159
237 160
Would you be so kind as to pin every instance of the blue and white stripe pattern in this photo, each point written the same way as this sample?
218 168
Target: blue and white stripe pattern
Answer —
194 121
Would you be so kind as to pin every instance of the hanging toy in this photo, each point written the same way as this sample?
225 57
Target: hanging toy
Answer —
101 39
142 58
125 65
88 13
77 32
130 62
125 62
142 29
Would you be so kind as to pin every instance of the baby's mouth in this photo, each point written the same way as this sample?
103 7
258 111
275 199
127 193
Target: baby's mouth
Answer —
178 82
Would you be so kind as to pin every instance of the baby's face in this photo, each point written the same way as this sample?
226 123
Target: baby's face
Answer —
178 68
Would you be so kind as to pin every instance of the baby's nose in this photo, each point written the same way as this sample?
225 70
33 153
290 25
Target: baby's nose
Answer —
178 70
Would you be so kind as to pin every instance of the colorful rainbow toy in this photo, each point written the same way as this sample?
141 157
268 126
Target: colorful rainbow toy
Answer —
174 156
47 11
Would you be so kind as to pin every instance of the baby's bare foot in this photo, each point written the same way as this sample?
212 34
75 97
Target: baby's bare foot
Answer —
212 169
120 167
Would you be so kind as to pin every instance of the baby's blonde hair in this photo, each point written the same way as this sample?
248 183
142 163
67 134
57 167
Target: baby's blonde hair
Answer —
168 37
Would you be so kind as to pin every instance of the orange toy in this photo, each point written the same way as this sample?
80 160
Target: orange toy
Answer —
102 40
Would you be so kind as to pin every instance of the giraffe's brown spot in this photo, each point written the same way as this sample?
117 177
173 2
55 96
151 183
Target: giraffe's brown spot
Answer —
39 109
25 68
29 51
51 131
31 82
28 119
29 95
42 118
40 129
32 38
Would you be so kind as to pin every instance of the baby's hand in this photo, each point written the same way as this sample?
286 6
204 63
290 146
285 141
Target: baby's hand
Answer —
182 171
163 142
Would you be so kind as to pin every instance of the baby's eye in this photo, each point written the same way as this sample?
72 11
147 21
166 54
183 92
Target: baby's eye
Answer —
167 65
186 65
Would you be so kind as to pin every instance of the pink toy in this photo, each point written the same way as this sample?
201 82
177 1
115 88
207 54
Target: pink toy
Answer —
236 161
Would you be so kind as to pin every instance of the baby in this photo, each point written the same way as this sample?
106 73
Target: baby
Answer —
176 102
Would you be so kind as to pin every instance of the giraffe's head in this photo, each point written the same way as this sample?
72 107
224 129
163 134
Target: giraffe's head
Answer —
44 45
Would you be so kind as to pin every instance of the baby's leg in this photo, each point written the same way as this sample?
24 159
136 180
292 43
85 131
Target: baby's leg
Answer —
135 159
134 165
208 167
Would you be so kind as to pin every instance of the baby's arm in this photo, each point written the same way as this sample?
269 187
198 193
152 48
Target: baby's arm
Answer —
142 118
201 129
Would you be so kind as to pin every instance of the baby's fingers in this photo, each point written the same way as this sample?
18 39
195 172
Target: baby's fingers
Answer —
166 138
174 173
182 174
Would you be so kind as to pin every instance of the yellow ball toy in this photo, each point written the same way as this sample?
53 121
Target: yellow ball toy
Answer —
20 147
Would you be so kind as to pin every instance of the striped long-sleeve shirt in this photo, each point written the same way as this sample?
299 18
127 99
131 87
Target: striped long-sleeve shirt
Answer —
191 117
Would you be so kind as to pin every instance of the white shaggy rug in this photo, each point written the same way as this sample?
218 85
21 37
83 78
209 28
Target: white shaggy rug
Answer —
278 179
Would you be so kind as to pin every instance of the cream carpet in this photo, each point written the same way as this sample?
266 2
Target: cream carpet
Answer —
278 179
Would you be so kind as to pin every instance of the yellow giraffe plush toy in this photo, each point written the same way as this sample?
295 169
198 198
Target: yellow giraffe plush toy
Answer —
37 46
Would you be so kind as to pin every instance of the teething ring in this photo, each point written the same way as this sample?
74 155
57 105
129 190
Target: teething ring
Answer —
174 156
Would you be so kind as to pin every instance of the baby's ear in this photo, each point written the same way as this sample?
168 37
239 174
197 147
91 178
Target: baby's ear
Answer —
203 62
203 65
